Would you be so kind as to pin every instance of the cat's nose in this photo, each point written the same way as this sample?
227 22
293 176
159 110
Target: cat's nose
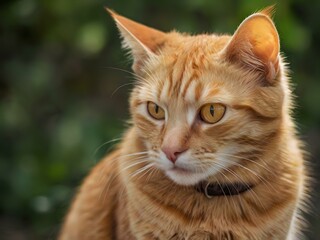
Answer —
175 142
172 152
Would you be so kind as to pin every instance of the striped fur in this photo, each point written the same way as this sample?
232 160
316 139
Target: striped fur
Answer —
136 193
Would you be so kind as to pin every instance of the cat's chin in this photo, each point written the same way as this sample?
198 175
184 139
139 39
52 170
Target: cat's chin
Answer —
184 177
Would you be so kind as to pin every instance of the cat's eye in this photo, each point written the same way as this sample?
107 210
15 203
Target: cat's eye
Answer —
155 111
212 112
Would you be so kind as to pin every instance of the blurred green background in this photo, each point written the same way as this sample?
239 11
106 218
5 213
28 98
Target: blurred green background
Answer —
60 99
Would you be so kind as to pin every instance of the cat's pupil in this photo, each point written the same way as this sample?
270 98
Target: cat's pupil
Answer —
156 109
212 110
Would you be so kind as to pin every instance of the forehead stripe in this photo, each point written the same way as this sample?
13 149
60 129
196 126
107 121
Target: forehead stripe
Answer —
187 84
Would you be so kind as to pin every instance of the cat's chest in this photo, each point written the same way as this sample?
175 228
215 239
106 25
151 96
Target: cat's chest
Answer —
149 221
188 235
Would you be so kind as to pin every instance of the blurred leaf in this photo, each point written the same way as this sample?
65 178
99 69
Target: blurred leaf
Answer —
92 37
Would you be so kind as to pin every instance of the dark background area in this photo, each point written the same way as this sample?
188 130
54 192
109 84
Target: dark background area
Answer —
64 92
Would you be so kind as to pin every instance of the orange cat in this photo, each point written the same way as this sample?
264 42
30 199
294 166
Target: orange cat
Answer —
212 152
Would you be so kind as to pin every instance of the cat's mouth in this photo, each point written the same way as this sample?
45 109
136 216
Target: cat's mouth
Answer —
180 170
184 176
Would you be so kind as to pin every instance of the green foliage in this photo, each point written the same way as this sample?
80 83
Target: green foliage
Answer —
58 105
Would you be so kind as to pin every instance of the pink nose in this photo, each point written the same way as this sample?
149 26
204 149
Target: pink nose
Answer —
173 152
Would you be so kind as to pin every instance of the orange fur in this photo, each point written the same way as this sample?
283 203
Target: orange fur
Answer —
138 193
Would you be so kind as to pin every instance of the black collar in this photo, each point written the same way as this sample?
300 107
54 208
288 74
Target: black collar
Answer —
222 189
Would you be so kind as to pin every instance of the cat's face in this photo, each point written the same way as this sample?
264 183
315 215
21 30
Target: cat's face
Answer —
198 108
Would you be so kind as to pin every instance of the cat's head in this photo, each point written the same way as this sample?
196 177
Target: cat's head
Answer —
204 103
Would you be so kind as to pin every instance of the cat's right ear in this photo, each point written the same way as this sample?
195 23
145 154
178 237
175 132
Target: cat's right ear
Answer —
143 42
255 45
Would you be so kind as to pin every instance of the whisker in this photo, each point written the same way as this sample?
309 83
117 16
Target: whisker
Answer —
134 164
255 196
103 144
126 71
223 168
262 179
141 170
232 199
114 160
121 86
246 159
138 156
139 161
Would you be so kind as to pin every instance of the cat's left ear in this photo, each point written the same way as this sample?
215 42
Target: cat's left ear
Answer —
255 45
142 41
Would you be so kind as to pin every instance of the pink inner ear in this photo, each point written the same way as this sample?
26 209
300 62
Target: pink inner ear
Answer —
262 49
264 39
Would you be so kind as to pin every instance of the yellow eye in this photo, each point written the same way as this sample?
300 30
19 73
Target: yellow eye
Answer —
155 111
212 112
